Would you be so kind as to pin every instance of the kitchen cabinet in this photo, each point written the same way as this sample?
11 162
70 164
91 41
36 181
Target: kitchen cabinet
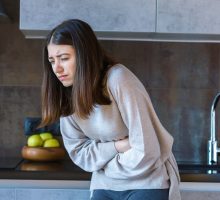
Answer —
79 190
7 194
17 189
52 194
200 191
109 18
188 16
137 20
201 195
43 194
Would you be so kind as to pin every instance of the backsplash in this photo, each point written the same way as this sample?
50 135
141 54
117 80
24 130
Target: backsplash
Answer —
181 78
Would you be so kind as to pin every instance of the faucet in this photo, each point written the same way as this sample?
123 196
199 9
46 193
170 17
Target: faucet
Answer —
213 149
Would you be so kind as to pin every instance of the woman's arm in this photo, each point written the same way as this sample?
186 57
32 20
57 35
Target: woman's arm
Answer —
143 125
88 154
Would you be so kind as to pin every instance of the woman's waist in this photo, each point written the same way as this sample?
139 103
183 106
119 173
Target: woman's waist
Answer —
154 180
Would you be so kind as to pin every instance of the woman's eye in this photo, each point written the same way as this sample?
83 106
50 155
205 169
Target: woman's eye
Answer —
64 58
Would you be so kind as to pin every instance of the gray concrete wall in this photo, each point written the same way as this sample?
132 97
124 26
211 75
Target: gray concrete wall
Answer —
188 16
181 78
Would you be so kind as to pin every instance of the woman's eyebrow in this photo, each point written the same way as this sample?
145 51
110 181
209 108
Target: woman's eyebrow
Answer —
59 55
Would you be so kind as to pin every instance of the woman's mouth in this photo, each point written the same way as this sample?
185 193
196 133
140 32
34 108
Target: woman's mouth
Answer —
62 78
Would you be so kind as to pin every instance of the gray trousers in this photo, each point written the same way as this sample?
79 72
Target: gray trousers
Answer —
149 194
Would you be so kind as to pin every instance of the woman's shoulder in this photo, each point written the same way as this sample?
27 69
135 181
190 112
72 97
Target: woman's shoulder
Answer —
118 72
117 69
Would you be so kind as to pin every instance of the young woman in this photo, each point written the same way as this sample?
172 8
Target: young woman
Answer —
108 124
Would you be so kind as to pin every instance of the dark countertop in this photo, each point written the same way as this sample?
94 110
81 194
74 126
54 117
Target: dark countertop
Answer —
199 172
66 170
58 170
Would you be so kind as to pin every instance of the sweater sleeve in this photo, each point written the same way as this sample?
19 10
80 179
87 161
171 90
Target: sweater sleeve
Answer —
88 154
138 115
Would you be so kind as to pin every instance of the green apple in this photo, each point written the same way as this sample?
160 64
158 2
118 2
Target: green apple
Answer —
35 141
51 143
46 136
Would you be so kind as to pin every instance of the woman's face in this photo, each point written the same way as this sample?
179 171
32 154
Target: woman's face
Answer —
63 62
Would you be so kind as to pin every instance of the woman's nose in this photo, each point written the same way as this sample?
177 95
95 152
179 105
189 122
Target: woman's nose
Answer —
57 67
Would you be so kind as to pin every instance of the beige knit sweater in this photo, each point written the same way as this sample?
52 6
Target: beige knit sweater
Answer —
149 164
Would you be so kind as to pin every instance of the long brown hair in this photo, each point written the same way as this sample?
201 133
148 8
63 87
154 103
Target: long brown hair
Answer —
89 87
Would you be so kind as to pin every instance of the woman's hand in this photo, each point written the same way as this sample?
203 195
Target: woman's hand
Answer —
122 145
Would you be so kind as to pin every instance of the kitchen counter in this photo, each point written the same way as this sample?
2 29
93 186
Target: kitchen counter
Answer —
199 172
44 180
66 170
60 170
28 180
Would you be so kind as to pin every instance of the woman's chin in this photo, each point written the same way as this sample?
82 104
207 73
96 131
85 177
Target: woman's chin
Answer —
66 84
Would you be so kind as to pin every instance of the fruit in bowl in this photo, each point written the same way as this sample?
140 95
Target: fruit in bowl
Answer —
51 143
35 141
43 147
42 140
46 136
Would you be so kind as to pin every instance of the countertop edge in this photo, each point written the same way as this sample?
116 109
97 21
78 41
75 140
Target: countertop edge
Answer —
78 184
48 184
199 186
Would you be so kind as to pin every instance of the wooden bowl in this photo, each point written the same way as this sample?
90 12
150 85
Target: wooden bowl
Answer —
43 153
